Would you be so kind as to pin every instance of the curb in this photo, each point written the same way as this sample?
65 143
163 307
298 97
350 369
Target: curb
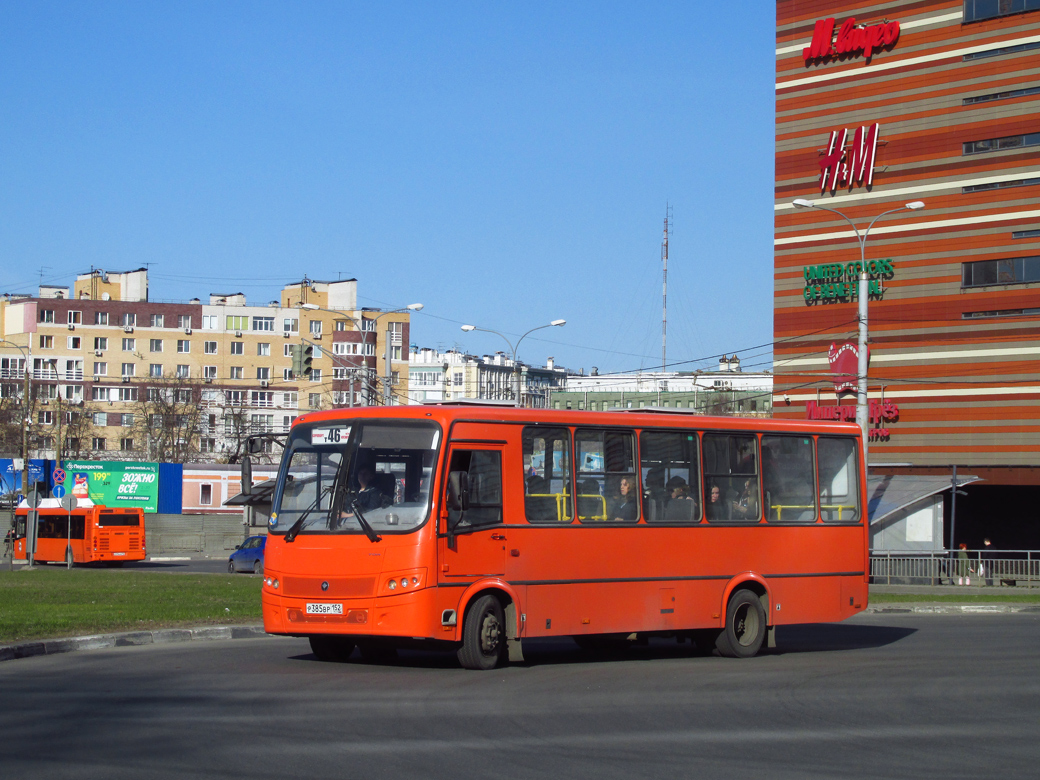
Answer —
952 609
132 638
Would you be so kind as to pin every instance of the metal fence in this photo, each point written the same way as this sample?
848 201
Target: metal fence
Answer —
1007 568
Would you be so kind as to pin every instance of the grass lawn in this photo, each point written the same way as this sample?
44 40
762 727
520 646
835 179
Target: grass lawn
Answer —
52 601
953 598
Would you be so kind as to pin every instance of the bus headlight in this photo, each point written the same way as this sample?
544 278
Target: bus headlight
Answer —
409 580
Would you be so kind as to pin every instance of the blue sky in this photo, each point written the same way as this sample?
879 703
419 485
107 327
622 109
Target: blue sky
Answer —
505 166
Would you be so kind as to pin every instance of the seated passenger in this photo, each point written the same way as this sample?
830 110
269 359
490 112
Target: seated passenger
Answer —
715 508
625 508
746 505
681 507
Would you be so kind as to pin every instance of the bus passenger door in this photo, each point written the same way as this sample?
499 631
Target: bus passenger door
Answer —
472 542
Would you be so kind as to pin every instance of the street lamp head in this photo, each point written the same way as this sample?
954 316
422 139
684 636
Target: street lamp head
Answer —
414 307
915 205
310 306
468 328
558 323
802 203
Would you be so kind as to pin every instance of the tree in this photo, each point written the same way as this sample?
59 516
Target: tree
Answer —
168 417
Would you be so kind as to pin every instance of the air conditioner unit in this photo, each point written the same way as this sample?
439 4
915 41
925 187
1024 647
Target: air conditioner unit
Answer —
286 334
71 326
208 380
126 380
97 377
44 401
128 329
264 383
238 333
187 331
316 336
98 353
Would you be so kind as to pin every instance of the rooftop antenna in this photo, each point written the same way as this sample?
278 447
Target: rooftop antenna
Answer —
664 289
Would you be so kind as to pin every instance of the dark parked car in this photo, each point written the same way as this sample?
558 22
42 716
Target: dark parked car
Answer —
248 556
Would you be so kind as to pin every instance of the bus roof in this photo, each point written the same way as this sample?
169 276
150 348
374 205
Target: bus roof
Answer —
656 417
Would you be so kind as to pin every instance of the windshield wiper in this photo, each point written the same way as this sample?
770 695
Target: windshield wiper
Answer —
369 531
294 529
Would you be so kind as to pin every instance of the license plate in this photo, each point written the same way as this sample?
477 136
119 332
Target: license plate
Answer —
324 609
119 553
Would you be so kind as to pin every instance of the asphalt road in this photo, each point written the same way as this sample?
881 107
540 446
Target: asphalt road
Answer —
879 696
192 566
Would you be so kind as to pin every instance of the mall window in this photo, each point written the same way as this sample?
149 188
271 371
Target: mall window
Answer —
209 347
155 370
183 346
263 323
101 318
1025 234
183 320
1002 144
46 342
1007 95
75 317
129 320
158 320
205 494
155 345
1010 270
100 342
978 55
237 348
46 315
97 444
977 10
235 372
129 345
999 185
126 445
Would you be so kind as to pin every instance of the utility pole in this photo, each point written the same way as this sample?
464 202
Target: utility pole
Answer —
664 292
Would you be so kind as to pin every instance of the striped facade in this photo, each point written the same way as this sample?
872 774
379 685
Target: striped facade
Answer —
955 315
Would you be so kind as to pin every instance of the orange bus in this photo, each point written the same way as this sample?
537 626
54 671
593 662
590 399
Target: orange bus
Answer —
98 534
478 526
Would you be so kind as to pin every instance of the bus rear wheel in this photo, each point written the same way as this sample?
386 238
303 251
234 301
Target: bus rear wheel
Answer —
483 635
745 626
336 649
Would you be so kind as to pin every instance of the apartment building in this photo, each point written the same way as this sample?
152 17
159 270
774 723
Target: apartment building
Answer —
114 374
453 375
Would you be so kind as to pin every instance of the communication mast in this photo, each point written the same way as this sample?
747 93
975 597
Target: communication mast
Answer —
664 290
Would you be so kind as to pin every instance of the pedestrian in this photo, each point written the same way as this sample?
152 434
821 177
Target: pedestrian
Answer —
964 569
987 562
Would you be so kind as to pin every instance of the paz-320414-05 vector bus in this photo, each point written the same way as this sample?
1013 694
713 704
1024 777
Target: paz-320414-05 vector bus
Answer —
96 534
477 527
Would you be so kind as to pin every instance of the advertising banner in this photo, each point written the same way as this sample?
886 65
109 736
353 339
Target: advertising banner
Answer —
11 478
114 483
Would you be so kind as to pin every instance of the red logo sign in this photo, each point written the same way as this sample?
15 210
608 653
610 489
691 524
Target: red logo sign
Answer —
844 360
848 166
881 414
851 38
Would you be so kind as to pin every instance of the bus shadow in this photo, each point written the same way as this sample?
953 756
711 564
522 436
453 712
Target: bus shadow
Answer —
793 639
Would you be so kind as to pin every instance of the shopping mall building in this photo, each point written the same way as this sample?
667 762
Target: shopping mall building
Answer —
883 104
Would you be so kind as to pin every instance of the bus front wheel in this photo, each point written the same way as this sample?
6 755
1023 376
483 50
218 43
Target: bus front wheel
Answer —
745 626
483 634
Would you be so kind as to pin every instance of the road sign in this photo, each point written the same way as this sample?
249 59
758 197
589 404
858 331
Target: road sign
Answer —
59 475
68 502
58 491
33 499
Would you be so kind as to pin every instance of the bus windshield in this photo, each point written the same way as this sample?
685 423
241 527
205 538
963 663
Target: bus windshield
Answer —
332 468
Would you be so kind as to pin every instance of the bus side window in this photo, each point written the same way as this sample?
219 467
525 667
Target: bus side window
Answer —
547 475
788 479
731 488
839 479
671 477
484 468
607 484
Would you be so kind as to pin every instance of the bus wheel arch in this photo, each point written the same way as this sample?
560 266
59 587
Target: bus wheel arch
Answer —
746 627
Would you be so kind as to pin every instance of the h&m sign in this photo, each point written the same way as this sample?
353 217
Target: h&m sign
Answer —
846 165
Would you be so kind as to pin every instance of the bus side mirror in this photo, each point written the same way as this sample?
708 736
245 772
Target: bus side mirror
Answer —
458 491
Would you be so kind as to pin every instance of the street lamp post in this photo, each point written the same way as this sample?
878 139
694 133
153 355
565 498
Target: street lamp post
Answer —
25 416
514 348
387 390
862 409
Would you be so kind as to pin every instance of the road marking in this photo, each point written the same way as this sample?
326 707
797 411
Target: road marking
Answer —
186 558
